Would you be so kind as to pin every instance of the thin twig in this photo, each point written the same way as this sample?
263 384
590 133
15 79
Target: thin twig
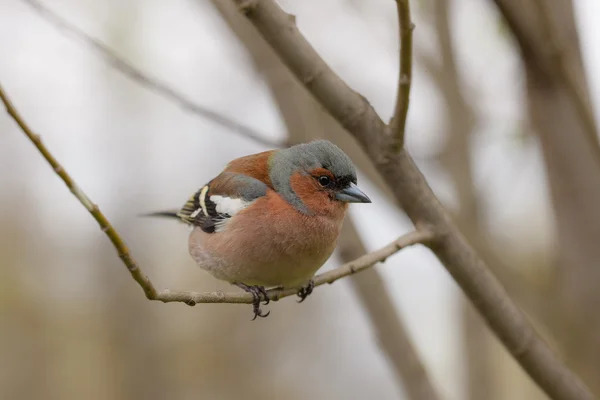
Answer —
415 196
387 323
192 298
150 83
368 260
93 209
405 27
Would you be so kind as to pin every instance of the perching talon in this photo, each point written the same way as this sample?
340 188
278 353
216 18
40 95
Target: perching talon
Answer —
305 291
272 218
256 292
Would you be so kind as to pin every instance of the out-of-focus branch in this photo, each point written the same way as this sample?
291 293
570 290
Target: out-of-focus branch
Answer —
416 197
533 298
456 160
557 99
405 27
192 298
389 327
531 23
153 84
560 112
556 57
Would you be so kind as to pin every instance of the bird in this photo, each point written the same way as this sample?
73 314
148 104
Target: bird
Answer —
271 219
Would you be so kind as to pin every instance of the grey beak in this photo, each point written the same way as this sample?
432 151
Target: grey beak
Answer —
352 194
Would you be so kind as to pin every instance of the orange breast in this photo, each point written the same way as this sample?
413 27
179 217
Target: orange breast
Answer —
269 243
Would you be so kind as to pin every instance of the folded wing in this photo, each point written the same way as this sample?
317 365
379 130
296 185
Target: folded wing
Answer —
211 207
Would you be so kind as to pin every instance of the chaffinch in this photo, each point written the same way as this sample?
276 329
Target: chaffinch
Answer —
272 219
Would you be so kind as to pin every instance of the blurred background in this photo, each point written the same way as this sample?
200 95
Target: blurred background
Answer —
500 135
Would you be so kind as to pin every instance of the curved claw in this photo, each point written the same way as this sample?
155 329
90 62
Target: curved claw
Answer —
305 291
258 312
262 291
256 292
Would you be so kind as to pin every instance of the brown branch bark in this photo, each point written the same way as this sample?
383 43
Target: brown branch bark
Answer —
548 50
415 196
405 28
151 83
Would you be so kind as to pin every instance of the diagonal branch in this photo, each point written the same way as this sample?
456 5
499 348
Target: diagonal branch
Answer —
150 83
192 298
92 208
305 121
413 193
405 27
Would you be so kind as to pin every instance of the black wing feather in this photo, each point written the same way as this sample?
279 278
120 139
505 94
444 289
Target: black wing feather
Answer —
201 211
193 213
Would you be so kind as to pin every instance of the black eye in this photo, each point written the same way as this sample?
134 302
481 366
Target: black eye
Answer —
324 180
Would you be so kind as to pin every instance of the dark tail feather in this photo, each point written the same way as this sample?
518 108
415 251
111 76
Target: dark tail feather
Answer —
161 214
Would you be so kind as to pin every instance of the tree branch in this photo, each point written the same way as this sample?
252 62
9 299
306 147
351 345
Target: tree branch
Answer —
538 38
305 121
581 101
150 83
93 209
405 27
387 324
192 298
360 264
416 197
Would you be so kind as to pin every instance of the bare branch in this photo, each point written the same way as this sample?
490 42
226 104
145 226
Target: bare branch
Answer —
416 197
538 38
564 73
93 209
360 264
405 27
192 298
150 83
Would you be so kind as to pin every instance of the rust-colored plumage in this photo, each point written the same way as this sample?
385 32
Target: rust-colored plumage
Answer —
254 165
272 219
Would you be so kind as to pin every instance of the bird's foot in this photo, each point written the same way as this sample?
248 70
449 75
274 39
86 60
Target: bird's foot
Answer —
256 292
305 291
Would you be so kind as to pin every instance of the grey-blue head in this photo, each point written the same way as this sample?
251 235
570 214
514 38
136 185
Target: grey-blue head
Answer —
330 171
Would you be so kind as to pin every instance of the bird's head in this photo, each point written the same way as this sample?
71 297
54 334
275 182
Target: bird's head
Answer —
316 178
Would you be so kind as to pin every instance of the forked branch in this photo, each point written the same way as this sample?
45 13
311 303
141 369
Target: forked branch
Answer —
417 199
